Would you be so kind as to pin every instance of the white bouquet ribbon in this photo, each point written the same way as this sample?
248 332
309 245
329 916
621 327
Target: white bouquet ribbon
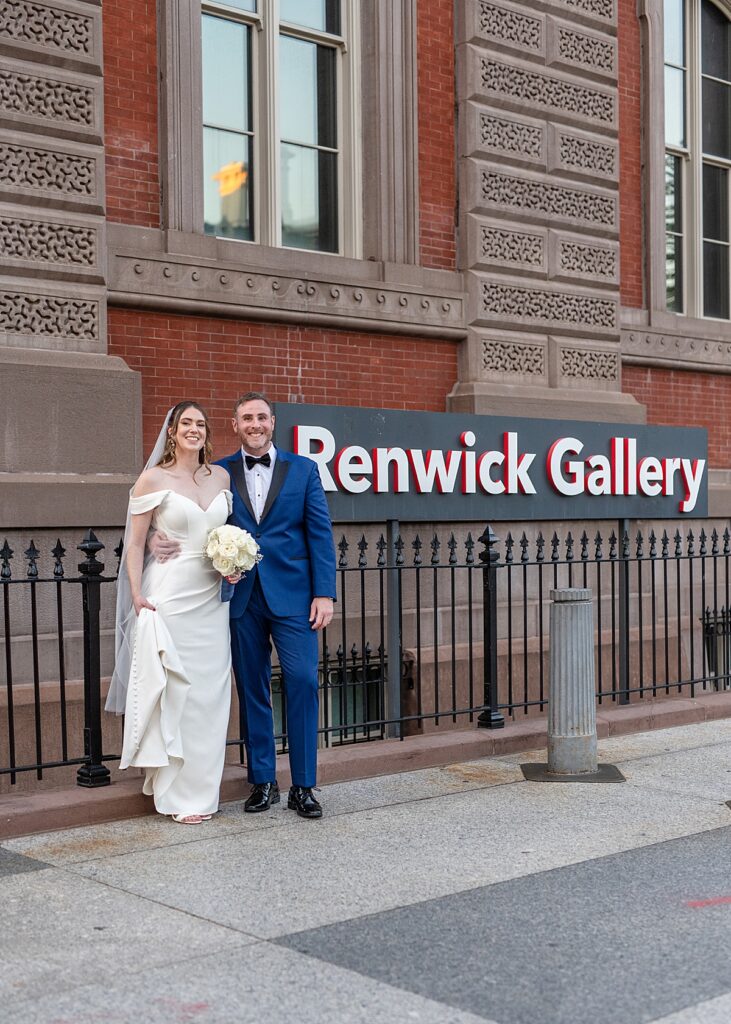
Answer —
232 550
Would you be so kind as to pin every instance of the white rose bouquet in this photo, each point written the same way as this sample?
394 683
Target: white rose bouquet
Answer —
232 550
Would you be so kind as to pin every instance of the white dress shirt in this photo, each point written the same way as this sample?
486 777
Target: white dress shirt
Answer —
258 481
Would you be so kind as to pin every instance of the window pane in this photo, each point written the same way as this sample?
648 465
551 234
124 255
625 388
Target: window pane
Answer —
241 5
715 203
715 280
309 199
320 14
674 18
716 42
673 194
674 107
308 92
227 184
674 273
226 70
716 119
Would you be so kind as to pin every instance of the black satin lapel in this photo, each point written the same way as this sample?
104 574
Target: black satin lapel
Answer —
236 469
279 475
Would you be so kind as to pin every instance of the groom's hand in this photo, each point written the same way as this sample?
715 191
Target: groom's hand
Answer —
162 547
321 612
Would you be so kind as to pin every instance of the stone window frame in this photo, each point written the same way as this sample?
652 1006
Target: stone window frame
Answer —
651 14
384 135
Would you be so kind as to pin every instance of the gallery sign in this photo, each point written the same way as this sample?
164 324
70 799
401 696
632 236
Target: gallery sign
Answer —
379 464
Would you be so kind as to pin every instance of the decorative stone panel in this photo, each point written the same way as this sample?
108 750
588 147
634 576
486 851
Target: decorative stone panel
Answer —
68 31
572 257
569 310
579 51
530 90
500 244
507 138
61 245
578 153
544 200
69 104
510 27
63 173
35 318
513 357
589 365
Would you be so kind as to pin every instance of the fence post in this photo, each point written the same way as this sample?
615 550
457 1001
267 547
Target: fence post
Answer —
624 612
393 636
94 772
490 717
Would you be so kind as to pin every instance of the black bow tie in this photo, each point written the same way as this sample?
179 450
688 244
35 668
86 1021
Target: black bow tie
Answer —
263 460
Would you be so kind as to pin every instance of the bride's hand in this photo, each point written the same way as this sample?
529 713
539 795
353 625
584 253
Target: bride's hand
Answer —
234 577
142 602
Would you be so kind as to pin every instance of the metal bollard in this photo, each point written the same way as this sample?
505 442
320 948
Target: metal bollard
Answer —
571 707
572 755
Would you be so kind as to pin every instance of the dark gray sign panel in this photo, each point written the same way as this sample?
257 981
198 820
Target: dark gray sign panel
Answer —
379 464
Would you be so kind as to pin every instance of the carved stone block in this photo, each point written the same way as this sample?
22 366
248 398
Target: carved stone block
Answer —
602 13
506 26
500 136
545 200
58 31
51 316
526 88
502 301
34 169
514 359
580 154
584 365
56 101
580 51
574 257
500 244
59 245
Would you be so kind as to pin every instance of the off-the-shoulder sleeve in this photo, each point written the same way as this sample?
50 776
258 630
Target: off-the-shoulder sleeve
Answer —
145 503
230 500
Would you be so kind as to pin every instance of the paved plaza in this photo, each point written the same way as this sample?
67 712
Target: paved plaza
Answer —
452 895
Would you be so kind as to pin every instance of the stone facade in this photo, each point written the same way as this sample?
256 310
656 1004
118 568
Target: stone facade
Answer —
539 209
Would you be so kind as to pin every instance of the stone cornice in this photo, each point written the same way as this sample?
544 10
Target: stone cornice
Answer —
364 296
648 346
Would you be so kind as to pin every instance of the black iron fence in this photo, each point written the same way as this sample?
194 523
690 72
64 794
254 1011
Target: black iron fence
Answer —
430 633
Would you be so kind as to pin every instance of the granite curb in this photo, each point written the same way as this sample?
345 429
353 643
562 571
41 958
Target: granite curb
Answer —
25 814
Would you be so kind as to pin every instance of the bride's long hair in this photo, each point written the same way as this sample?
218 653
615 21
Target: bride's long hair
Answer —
205 455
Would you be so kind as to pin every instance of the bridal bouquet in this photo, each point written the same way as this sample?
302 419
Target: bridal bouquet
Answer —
232 550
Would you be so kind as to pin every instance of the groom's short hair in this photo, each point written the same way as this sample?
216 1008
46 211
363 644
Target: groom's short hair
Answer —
251 396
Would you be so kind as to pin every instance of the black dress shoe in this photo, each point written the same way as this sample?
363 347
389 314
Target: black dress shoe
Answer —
262 796
302 801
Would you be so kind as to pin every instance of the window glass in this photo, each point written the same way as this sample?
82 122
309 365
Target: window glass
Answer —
226 74
674 107
716 118
715 203
715 280
227 190
674 237
309 198
715 42
307 109
674 21
320 14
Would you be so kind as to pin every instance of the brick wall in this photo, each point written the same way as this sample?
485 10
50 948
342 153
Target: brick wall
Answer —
437 145
212 360
130 112
686 399
630 155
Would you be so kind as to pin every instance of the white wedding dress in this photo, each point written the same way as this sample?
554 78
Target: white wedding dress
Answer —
179 694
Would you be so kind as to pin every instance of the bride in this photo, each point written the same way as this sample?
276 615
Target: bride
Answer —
172 676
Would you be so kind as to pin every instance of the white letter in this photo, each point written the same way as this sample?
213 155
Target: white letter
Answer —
565 446
599 477
484 464
693 472
435 465
649 476
518 466
382 458
304 438
352 466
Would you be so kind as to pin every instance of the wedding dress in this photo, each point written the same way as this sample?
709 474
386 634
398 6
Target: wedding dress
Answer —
179 692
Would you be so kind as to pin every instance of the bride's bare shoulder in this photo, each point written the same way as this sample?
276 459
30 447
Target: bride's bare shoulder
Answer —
220 475
150 480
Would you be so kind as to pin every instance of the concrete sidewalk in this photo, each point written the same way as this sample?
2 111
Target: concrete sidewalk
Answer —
454 894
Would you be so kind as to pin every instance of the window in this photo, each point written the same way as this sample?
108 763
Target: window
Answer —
279 89
698 157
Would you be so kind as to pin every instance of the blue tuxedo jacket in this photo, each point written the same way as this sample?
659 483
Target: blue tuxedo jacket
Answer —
294 535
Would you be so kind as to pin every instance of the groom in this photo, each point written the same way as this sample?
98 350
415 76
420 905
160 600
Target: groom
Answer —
287 598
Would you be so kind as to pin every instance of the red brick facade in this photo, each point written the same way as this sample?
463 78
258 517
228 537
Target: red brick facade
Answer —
437 145
212 360
130 113
686 399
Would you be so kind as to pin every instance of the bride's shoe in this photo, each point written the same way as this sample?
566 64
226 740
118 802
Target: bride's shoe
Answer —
187 819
